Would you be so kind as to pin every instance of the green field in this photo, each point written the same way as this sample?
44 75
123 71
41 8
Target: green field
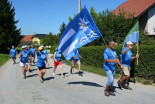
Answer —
4 58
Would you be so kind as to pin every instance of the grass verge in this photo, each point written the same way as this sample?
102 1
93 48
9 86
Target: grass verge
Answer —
4 58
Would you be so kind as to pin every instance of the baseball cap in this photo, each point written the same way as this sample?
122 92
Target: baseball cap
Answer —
129 43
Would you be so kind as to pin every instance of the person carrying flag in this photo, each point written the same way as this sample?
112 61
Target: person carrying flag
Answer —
23 56
110 59
13 53
126 58
57 61
76 60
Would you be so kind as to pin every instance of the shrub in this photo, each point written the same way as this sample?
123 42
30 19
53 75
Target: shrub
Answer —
93 56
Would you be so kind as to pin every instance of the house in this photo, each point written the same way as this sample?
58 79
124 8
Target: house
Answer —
143 10
37 38
27 40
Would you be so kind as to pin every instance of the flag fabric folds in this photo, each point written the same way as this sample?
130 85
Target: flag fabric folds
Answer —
79 32
133 35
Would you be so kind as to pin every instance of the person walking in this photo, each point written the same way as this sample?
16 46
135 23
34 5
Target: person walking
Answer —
29 58
76 60
57 61
126 58
33 52
13 53
41 57
110 59
23 56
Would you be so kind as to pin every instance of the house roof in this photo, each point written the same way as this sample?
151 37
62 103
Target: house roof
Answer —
40 36
27 38
137 7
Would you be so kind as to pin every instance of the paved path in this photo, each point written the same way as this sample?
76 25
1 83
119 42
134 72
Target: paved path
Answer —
73 89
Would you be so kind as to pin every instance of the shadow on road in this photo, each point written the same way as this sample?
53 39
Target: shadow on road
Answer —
63 74
86 83
33 70
48 78
49 67
32 75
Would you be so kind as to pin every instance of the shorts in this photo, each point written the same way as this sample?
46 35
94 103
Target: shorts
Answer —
43 67
126 70
23 64
13 58
75 61
33 55
57 63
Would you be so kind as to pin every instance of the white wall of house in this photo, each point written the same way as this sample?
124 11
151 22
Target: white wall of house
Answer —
151 21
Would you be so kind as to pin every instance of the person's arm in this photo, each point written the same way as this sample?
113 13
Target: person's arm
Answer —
124 52
19 56
47 60
135 57
80 57
36 48
54 57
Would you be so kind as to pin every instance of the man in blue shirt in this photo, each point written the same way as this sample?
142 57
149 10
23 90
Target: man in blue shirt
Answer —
110 59
126 57
76 60
13 53
33 52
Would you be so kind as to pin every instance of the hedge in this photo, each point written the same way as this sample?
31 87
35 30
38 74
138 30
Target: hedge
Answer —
93 56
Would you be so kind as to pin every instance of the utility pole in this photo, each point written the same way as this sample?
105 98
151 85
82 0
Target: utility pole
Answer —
79 6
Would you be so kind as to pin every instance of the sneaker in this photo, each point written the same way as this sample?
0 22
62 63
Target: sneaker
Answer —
119 84
29 70
41 80
80 73
63 76
127 87
24 77
54 74
71 71
106 92
111 93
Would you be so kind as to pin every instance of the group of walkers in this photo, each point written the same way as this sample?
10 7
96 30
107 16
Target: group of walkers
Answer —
110 59
27 56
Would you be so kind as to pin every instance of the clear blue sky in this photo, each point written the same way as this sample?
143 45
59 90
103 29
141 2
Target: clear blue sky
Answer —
44 16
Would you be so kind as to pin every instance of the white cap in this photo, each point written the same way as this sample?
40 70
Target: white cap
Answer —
23 47
129 43
42 46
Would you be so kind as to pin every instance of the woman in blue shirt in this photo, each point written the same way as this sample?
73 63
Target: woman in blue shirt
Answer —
41 57
57 61
23 56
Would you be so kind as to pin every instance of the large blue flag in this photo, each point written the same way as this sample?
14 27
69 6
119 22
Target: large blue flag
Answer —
80 31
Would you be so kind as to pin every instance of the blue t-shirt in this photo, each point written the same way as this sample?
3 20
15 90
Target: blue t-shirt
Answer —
76 55
45 52
33 50
57 56
41 59
13 52
24 56
126 58
109 54
29 52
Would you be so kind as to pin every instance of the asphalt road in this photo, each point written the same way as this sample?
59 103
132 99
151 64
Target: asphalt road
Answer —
72 89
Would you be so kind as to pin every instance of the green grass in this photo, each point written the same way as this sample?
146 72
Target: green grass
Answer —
4 58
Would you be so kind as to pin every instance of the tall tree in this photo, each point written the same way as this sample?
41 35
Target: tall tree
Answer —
9 34
62 28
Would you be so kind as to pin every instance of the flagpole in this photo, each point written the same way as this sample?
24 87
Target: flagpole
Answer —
137 52
79 6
